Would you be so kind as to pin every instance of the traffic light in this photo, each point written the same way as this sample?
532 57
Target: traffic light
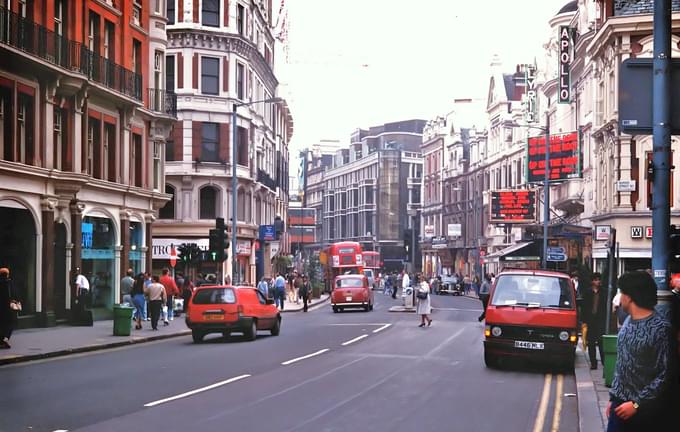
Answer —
674 245
189 253
218 241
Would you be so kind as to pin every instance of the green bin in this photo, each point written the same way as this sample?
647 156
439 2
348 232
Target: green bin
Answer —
122 320
609 348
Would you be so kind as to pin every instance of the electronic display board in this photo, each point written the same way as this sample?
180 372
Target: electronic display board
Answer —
513 206
565 158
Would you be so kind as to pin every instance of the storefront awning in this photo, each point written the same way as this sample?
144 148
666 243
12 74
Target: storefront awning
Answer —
524 251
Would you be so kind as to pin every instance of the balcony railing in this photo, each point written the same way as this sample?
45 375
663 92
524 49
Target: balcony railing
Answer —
162 101
265 179
41 42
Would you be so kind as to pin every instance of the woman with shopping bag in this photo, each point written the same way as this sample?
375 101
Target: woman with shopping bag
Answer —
424 308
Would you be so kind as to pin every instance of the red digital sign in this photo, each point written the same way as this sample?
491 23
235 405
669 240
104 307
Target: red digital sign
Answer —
564 158
513 206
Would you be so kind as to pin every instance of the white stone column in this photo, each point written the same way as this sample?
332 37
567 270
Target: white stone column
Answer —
116 273
625 170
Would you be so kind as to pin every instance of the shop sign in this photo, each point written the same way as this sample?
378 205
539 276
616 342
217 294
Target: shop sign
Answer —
648 232
531 101
439 243
161 246
97 254
429 231
565 64
565 158
513 206
243 247
602 232
454 230
636 232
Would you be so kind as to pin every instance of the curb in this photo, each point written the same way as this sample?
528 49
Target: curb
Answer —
88 348
589 416
310 307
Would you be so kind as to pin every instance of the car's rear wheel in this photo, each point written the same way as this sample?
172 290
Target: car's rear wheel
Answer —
490 360
276 329
197 336
251 332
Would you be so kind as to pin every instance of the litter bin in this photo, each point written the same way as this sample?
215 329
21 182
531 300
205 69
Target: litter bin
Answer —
609 348
122 320
407 296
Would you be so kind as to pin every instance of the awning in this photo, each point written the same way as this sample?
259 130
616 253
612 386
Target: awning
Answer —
523 251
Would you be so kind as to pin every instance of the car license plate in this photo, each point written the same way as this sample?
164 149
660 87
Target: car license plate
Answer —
214 317
529 345
348 298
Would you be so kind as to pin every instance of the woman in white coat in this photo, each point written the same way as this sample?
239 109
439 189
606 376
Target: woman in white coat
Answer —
423 308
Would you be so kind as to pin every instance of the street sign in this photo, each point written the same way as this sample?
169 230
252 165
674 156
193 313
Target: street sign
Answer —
556 250
625 185
556 257
267 232
565 157
513 206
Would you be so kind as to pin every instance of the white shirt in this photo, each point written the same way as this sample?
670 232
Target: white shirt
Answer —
82 282
405 281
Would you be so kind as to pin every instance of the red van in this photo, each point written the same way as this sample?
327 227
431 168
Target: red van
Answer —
226 309
351 291
531 314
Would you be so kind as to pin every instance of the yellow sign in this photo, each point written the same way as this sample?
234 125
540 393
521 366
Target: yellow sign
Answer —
323 258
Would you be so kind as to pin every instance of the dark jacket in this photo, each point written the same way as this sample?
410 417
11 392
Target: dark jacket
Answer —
7 315
596 321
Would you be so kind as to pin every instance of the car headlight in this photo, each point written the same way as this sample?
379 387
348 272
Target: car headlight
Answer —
564 336
496 331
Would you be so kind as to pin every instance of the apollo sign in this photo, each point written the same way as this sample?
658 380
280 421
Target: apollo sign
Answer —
531 107
565 64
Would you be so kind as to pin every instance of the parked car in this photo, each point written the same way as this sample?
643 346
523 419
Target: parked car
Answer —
227 309
532 315
371 277
351 291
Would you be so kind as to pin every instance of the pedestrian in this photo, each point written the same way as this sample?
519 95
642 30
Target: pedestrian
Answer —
155 293
475 285
187 290
387 289
126 287
82 289
305 291
227 280
297 284
263 287
138 299
640 398
484 292
280 293
423 308
291 280
405 283
170 292
595 317
9 308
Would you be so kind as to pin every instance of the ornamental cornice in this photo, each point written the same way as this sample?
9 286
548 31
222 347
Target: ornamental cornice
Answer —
229 43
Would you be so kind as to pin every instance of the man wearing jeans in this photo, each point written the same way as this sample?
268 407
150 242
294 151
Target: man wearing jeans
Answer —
280 293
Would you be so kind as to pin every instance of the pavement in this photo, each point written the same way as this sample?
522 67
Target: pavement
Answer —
41 343
593 395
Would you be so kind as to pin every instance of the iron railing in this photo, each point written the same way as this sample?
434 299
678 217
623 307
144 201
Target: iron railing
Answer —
34 39
162 101
265 179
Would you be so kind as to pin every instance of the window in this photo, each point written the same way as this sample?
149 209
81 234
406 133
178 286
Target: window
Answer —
241 206
157 6
170 73
208 203
58 138
110 173
157 167
240 70
93 153
137 56
93 33
209 142
137 160
170 11
210 75
211 13
168 211
240 19
137 14
243 140
170 149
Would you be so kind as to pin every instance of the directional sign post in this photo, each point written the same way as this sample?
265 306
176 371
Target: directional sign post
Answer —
557 254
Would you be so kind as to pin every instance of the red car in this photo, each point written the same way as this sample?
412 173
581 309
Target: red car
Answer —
351 291
227 309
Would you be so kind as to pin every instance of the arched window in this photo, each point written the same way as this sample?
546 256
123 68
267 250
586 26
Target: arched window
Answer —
241 205
168 211
208 204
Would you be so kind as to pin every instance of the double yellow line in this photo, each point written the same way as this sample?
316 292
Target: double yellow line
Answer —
545 399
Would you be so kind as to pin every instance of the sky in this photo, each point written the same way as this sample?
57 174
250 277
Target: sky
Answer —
362 63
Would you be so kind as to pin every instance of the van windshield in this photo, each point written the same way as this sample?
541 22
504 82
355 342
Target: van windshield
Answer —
533 291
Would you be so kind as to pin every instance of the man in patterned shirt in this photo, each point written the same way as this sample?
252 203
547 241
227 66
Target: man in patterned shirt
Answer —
643 381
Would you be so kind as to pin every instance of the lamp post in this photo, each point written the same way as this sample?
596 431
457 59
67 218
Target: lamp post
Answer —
235 277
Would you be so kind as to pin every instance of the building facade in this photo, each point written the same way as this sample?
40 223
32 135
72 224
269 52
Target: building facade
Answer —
220 58
372 192
83 120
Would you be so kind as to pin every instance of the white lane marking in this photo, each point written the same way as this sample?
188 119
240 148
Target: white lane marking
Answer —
354 340
193 392
355 324
381 328
60 430
456 309
286 363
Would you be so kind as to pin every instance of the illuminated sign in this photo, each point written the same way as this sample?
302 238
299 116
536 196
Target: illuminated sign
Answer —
531 96
565 158
513 206
565 64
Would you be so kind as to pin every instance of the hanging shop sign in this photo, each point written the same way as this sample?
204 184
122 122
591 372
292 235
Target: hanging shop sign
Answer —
564 65
565 157
531 96
513 206
602 232
454 230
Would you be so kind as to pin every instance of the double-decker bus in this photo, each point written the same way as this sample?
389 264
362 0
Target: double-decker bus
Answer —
342 258
372 267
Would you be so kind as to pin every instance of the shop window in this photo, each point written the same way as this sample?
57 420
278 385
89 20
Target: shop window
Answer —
208 203
98 241
168 211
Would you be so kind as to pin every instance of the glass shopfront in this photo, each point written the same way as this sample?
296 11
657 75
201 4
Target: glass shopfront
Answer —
136 243
98 241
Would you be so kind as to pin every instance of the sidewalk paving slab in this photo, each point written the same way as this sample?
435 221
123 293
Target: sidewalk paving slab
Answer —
592 394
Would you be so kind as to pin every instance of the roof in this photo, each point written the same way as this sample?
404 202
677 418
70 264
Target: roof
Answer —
636 7
572 6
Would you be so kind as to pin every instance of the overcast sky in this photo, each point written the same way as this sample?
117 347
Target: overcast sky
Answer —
360 63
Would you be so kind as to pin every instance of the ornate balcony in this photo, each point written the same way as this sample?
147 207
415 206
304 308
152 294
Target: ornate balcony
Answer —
162 101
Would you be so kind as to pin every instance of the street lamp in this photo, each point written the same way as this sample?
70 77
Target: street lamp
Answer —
235 277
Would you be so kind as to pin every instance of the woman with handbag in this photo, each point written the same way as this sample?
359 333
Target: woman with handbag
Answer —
9 308
423 308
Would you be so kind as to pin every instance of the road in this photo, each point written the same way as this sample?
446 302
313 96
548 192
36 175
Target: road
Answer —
353 371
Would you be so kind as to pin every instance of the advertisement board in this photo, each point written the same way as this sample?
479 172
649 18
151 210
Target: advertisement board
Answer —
513 206
565 157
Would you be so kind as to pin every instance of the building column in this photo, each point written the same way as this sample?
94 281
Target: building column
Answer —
47 316
76 208
149 242
625 170
117 269
124 242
